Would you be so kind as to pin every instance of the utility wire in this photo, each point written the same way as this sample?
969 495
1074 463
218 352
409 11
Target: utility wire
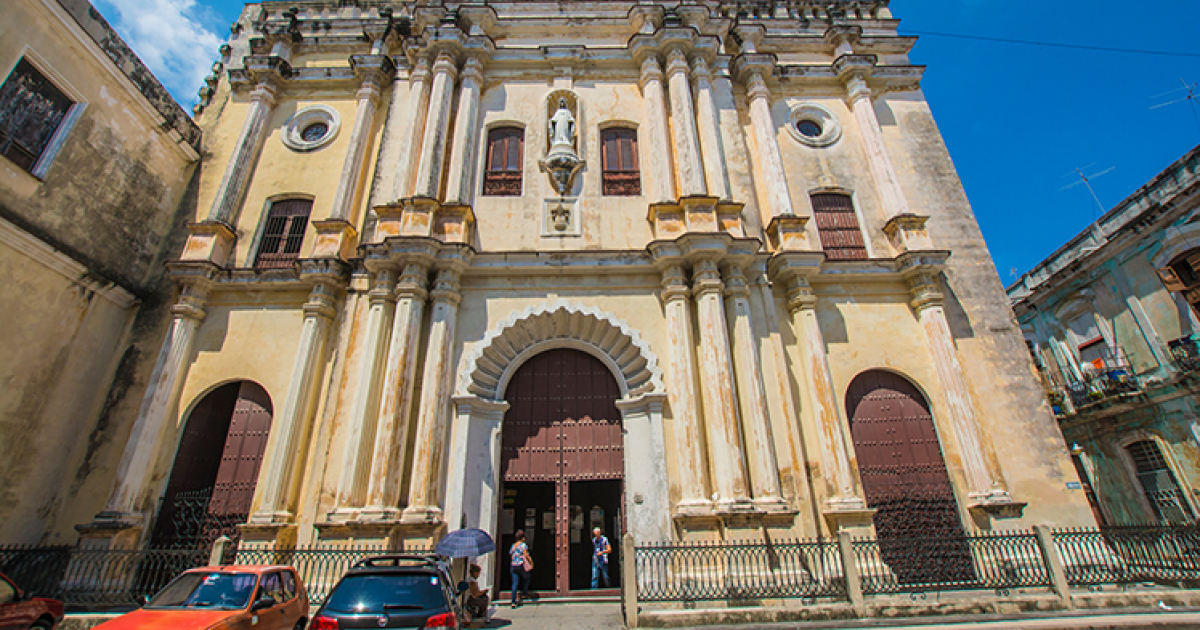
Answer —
1058 45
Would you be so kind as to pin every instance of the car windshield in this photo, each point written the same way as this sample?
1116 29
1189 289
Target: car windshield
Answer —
225 591
371 593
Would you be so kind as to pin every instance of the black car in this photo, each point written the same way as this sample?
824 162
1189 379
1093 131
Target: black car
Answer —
393 591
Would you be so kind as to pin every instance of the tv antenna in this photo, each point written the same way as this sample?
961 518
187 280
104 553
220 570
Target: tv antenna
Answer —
1086 180
1190 99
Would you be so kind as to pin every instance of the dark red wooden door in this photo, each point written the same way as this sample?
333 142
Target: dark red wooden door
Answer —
905 479
216 467
562 425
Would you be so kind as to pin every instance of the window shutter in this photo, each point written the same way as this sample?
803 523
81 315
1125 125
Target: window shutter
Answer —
841 237
505 152
619 162
31 109
283 234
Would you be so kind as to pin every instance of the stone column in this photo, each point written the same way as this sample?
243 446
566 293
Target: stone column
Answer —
160 403
683 127
766 154
283 465
841 486
709 125
245 153
982 486
657 163
360 137
414 128
361 424
461 178
682 381
437 124
760 447
883 172
395 407
720 396
435 398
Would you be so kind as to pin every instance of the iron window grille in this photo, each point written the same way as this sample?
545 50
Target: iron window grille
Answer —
31 111
505 153
283 234
1158 482
620 165
837 224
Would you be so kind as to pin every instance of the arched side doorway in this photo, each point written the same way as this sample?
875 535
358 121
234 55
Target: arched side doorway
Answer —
905 480
216 467
562 467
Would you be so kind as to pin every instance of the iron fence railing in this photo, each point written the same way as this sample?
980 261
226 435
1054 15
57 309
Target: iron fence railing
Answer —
987 561
1124 555
320 567
738 571
96 578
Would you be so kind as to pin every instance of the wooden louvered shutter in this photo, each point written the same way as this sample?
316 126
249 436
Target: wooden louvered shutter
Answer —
505 153
283 234
620 166
837 224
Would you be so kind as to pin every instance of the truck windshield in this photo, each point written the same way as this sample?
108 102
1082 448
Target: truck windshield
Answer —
226 591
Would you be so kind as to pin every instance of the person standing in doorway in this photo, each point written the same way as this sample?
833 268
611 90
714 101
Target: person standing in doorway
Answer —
600 551
521 564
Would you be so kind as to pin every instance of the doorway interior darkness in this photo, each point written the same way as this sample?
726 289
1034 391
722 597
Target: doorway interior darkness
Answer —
216 467
563 467
904 478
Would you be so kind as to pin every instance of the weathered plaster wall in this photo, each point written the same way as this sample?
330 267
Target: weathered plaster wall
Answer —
106 209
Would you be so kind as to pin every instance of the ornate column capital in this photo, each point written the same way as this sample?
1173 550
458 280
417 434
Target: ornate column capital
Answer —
446 288
382 285
925 291
701 71
676 61
266 91
472 69
651 71
420 72
756 87
321 301
736 285
445 64
800 295
192 300
412 282
706 278
674 284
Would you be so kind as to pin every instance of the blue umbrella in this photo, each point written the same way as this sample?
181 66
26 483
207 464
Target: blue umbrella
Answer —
466 543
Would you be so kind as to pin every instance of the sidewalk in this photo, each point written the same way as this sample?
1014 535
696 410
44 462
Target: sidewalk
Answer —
591 616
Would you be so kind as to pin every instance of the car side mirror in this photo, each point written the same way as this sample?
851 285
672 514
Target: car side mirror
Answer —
262 604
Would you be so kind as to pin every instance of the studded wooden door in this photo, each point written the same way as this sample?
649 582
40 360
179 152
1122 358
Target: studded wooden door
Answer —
905 479
562 426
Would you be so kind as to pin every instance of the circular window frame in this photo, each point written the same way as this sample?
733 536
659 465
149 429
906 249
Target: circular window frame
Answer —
831 128
303 119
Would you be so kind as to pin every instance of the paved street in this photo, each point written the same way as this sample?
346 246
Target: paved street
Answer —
559 616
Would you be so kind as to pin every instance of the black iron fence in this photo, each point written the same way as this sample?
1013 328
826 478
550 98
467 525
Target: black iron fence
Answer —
738 571
319 567
1004 563
96 578
998 562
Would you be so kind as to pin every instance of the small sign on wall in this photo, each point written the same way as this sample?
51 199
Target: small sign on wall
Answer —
1074 485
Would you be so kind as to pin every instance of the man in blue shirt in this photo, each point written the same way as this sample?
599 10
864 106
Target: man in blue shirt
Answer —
600 551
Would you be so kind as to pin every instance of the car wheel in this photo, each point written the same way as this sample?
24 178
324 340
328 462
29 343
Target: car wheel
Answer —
299 625
42 624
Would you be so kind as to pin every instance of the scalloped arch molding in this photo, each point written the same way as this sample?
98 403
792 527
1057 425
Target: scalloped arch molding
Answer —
560 324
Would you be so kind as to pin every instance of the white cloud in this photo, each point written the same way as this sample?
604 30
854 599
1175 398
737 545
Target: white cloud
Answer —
170 38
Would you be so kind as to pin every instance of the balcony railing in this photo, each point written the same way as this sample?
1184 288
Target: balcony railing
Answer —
1185 352
1114 380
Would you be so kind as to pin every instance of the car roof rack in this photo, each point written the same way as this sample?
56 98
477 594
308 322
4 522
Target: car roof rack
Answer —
395 560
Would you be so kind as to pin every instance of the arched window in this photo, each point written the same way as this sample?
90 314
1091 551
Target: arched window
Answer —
505 155
283 234
841 237
1158 483
620 162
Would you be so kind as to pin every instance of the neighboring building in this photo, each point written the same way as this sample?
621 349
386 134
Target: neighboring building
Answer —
95 159
1111 320
691 271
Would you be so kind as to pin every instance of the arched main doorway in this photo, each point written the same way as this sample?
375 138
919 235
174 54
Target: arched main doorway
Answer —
905 480
216 467
562 466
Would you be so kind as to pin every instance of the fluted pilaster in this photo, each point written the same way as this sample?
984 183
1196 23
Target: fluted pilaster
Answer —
682 379
461 177
245 153
437 125
683 127
657 166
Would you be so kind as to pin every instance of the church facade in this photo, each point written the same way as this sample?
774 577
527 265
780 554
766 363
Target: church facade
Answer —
694 271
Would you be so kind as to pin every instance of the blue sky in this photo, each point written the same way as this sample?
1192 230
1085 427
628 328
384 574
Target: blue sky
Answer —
1018 119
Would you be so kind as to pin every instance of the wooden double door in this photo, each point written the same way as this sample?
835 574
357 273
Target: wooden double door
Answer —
905 480
563 465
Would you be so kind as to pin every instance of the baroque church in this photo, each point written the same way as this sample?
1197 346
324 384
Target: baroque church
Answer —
696 271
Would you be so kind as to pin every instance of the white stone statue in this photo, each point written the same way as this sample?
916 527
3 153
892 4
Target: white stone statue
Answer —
562 129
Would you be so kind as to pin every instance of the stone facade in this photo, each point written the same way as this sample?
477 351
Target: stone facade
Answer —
1110 319
791 224
97 159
